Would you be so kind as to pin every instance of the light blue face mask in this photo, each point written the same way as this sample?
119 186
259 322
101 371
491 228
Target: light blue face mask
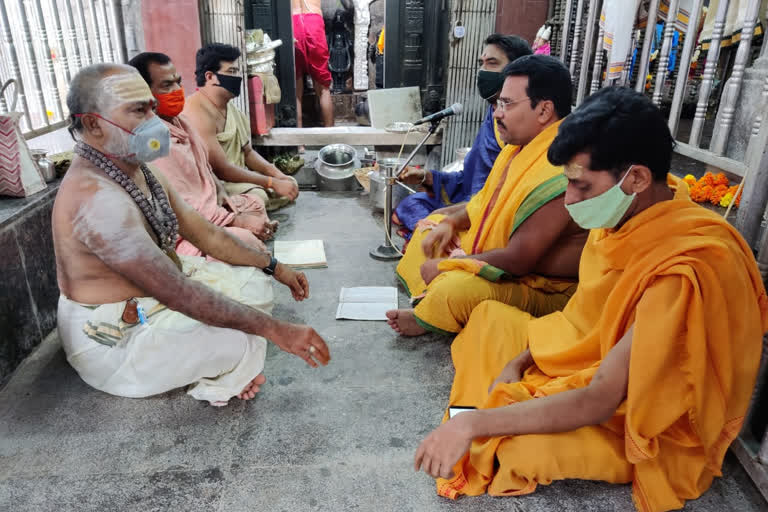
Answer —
148 141
603 211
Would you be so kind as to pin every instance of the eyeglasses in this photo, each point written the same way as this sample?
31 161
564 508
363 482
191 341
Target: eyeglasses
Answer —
502 104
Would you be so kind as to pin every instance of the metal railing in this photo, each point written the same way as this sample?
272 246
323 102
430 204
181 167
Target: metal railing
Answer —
223 21
479 18
720 94
45 42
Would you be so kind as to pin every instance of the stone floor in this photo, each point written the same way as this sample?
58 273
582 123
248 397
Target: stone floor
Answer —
339 438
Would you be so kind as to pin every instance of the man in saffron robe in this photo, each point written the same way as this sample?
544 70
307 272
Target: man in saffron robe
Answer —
514 241
187 167
446 191
646 375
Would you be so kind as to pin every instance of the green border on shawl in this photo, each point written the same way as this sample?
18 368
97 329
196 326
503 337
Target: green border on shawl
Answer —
491 273
540 196
432 328
405 285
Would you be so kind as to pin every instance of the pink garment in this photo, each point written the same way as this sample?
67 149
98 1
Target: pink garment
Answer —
189 173
544 49
187 170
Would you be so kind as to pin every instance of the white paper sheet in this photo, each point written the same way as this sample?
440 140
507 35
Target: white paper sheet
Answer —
366 302
301 253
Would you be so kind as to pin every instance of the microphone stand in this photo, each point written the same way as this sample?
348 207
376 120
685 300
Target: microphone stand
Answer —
387 251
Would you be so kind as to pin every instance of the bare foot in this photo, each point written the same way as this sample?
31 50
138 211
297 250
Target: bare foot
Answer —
404 323
302 150
253 387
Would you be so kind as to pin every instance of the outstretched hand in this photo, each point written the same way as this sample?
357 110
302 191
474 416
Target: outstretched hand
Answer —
444 446
295 281
302 341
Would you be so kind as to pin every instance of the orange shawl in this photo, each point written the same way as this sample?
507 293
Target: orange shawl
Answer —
491 227
689 284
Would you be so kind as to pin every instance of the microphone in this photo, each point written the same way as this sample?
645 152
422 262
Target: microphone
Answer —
453 110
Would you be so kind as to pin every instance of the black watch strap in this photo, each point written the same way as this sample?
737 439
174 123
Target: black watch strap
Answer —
270 269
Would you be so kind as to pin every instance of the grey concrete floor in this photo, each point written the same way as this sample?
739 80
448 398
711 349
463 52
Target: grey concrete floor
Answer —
339 438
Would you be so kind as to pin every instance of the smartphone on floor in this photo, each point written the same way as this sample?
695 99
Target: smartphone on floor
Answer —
458 409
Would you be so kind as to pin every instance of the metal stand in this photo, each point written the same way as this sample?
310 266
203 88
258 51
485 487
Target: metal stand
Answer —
387 251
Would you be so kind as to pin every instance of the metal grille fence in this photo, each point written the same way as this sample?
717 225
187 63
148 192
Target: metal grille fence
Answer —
479 18
45 42
223 21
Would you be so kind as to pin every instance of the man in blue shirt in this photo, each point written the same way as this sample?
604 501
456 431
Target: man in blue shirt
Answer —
448 191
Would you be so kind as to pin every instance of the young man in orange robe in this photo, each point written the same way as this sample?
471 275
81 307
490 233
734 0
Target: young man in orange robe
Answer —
646 375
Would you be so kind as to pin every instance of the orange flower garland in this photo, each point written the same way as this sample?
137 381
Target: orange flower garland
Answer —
717 194
712 188
722 179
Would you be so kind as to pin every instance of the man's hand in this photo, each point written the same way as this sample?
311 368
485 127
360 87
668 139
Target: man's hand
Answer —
301 341
296 281
514 370
286 187
444 446
221 193
416 176
510 373
429 270
437 242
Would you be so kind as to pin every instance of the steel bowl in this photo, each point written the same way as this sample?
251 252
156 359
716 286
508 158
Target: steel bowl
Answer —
335 167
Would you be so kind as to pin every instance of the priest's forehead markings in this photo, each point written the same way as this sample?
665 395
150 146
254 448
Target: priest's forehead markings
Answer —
127 87
573 171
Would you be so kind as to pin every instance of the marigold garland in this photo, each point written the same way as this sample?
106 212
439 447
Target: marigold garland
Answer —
718 191
712 188
722 179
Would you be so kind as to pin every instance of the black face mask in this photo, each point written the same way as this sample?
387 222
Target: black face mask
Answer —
230 83
489 83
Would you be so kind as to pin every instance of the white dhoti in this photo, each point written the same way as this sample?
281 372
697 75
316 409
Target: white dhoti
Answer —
171 350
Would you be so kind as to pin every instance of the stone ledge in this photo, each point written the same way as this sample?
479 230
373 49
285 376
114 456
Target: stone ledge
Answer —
356 135
30 292
12 208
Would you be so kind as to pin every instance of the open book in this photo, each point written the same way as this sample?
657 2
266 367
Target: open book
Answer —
366 302
301 254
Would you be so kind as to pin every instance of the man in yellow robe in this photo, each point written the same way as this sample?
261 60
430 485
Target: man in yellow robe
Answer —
646 375
514 241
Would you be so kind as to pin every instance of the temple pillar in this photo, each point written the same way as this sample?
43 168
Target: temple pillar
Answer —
362 22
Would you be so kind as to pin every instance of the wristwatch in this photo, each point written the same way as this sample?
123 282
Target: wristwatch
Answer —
270 269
